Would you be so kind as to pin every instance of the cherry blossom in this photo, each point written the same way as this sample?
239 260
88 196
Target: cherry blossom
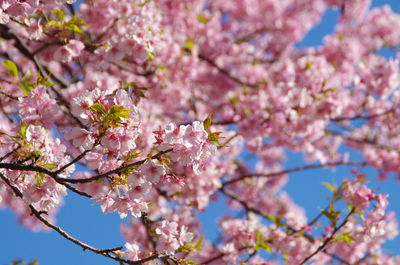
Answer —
159 111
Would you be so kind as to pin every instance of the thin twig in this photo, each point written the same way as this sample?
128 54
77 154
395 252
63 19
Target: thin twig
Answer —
109 253
330 238
296 169
114 171
225 72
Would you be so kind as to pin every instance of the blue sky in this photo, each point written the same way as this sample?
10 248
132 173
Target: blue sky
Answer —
85 221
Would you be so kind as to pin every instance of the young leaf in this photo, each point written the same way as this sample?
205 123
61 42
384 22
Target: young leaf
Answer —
188 262
214 137
345 237
26 84
189 44
261 243
330 187
332 215
43 81
203 19
50 166
207 122
22 130
39 179
12 68
52 24
98 108
60 14
144 3
74 28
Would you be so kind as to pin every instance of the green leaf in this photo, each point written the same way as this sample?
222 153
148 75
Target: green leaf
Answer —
345 237
328 90
191 246
43 81
60 14
26 84
213 137
75 24
203 19
150 55
308 65
119 112
12 68
188 262
39 179
127 85
189 44
199 242
330 187
26 88
50 166
22 130
77 21
207 122
52 24
261 243
116 116
133 155
36 155
144 3
98 108
234 100
332 215
186 248
74 28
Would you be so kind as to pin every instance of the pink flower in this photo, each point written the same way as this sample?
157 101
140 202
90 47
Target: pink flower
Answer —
35 193
168 245
119 139
22 8
132 251
140 190
69 51
152 171
184 236
81 138
106 203
39 99
357 195
124 206
170 239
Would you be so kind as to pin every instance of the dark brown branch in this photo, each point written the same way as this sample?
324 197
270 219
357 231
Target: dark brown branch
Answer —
225 72
13 166
147 224
9 153
248 208
43 69
115 171
362 141
19 44
361 117
75 160
296 169
219 256
108 253
330 238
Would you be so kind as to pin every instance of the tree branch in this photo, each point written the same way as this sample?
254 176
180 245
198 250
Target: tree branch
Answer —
108 253
295 169
330 238
114 171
